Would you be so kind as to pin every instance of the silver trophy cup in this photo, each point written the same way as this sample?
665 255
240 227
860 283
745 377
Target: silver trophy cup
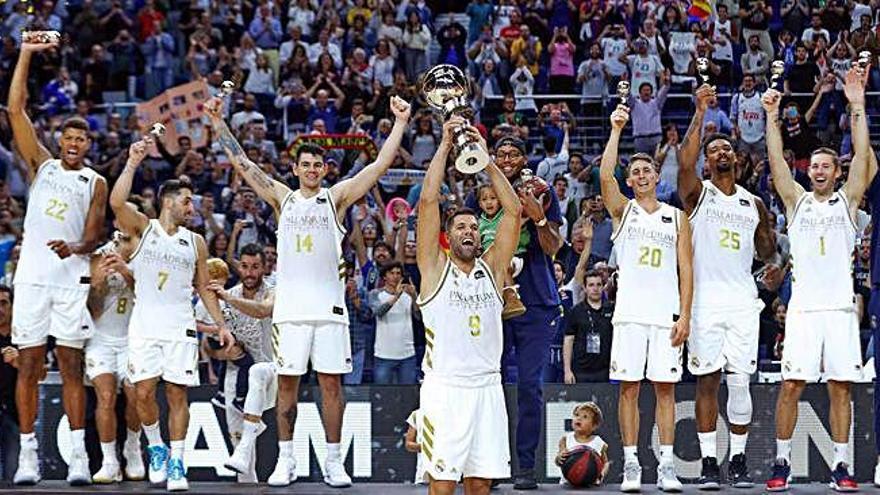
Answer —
623 89
703 69
448 92
777 68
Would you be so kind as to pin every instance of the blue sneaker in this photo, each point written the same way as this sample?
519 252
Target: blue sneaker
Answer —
177 476
158 463
781 477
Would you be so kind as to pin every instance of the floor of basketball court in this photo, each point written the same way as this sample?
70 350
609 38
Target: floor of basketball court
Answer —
60 487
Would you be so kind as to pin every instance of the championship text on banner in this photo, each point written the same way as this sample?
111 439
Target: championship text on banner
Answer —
375 423
180 110
336 141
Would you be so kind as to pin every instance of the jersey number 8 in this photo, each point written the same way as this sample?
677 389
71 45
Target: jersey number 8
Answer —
474 324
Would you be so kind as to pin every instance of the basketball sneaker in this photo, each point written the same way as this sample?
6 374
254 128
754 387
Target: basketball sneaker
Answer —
176 476
710 474
781 477
841 480
28 472
109 473
738 472
158 463
877 476
78 470
667 481
632 478
335 475
285 472
134 463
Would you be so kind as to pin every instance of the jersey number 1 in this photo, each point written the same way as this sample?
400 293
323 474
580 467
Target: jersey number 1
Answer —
821 245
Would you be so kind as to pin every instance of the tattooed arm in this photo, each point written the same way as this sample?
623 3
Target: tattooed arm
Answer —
270 190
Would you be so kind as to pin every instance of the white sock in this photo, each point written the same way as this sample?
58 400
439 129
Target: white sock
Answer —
177 448
109 451
249 432
285 448
666 454
738 443
154 434
708 444
133 439
783 450
840 451
630 453
78 439
333 451
28 440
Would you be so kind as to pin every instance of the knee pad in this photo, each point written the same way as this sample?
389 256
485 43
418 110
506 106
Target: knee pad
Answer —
739 400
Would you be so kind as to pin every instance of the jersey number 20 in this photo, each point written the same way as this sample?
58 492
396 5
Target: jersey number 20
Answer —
650 256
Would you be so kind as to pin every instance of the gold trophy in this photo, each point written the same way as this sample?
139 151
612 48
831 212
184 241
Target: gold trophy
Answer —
448 92
777 68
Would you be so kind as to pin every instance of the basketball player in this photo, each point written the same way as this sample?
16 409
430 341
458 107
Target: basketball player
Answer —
464 420
729 224
310 321
652 317
62 227
167 263
821 325
111 299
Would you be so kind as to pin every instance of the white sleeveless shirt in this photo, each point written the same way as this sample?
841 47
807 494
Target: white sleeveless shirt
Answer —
58 206
596 443
311 269
647 258
463 335
111 326
723 235
823 239
164 268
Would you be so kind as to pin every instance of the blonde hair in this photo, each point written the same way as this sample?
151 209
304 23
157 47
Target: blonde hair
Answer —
590 406
217 269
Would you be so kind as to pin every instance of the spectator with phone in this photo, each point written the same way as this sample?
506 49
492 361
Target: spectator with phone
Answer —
394 351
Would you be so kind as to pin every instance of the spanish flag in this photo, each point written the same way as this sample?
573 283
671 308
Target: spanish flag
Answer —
700 10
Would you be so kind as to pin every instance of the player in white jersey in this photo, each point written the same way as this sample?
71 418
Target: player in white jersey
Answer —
652 317
821 326
729 225
110 302
168 262
62 227
310 321
464 423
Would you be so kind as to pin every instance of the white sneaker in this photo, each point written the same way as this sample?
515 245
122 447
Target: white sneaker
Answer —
78 473
134 462
632 478
877 475
667 481
109 473
285 472
335 475
240 461
28 472
158 464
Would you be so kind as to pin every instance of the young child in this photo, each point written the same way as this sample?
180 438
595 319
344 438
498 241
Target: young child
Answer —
585 420
218 271
412 439
489 219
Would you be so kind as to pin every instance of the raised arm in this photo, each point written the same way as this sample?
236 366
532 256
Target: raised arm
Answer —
507 235
209 297
583 261
689 185
765 236
615 201
270 190
32 150
345 193
428 254
857 182
783 181
130 220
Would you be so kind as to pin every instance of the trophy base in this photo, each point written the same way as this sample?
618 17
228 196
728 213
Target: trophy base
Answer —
471 159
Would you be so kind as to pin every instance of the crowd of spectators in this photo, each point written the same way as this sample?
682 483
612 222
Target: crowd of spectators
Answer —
308 67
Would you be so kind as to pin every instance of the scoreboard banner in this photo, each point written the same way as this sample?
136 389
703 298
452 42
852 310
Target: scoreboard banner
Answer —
375 423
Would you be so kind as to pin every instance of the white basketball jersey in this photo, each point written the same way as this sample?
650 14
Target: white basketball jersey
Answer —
112 325
723 235
311 268
164 268
58 206
823 239
463 333
647 260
